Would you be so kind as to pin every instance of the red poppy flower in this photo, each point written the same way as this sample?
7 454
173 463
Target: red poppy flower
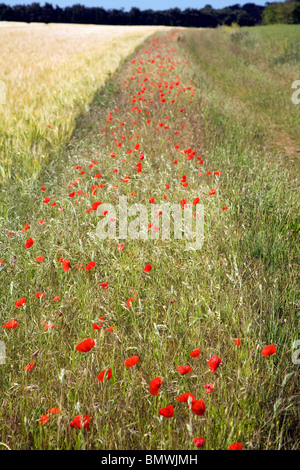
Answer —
11 324
129 302
40 258
214 363
29 243
102 374
198 407
167 412
20 302
96 326
184 398
91 265
53 411
237 342
44 419
40 294
132 361
269 350
147 268
209 388
199 441
26 227
236 446
66 265
86 345
195 353
211 192
80 420
29 366
184 370
95 205
155 385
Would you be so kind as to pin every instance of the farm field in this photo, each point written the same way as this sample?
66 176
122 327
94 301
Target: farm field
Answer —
123 343
51 74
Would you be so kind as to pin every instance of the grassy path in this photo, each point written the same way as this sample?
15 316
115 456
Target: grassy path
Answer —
255 68
156 126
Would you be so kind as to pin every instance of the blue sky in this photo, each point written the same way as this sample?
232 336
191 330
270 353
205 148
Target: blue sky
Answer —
141 4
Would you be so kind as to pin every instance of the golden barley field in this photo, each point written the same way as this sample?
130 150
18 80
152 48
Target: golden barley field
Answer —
50 73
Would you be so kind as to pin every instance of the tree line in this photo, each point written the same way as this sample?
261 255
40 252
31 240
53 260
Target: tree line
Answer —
246 15
284 12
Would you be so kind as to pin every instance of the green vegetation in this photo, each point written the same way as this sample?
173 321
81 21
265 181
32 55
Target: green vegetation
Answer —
287 12
237 113
255 67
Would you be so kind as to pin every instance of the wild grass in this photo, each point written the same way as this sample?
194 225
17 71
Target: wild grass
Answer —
244 283
265 61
